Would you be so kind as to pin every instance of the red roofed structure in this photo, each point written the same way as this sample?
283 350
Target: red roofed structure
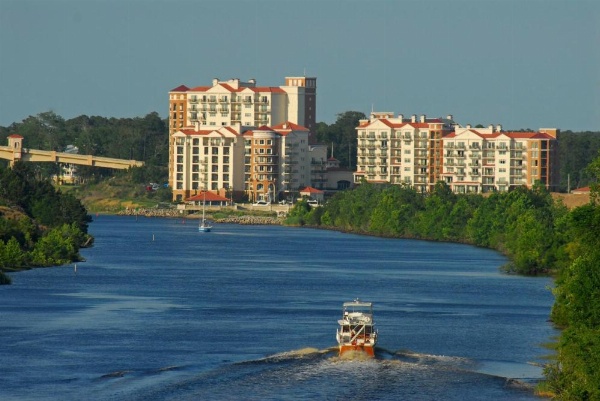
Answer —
420 151
211 199
201 113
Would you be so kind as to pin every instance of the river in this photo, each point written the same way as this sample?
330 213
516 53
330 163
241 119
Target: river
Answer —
160 311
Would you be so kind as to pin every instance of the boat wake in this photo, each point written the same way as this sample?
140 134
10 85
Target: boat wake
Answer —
312 369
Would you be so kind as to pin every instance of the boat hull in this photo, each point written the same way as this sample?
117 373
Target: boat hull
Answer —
366 349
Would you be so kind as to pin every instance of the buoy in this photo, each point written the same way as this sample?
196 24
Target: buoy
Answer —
75 268
152 237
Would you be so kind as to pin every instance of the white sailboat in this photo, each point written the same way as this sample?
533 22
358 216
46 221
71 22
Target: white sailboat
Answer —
204 226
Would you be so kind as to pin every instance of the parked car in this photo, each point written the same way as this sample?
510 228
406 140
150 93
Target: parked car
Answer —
313 202
261 203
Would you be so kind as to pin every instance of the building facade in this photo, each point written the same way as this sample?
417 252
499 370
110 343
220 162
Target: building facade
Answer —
277 161
401 150
488 159
243 106
265 163
207 160
420 152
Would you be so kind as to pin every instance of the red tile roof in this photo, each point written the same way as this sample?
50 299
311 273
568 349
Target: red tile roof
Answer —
180 88
200 89
15 136
272 89
398 124
512 135
289 126
311 190
192 131
210 197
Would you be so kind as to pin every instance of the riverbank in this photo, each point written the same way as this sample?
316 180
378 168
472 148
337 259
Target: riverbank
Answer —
245 219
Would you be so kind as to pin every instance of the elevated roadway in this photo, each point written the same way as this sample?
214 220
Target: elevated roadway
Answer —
15 152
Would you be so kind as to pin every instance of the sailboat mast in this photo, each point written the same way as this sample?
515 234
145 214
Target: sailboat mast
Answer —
203 206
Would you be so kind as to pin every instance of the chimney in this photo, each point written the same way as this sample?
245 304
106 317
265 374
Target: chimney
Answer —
491 127
401 117
450 117
413 118
215 81
468 126
423 118
498 128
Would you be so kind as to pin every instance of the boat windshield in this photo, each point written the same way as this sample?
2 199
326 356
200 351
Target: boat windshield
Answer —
358 307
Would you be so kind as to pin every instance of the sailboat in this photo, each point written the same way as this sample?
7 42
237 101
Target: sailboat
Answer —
204 226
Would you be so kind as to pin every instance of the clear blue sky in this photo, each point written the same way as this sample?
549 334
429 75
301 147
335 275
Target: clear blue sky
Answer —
519 63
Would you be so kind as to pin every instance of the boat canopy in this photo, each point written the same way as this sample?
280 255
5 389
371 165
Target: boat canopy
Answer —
358 304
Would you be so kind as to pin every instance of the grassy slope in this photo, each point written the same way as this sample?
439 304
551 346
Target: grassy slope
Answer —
113 195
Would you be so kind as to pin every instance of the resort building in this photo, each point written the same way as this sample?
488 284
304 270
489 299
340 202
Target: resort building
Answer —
420 152
277 161
489 159
401 150
207 159
265 163
228 109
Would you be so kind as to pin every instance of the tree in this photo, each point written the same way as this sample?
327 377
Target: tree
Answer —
341 135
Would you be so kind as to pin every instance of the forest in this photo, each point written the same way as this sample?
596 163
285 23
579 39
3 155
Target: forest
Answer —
146 139
39 225
536 233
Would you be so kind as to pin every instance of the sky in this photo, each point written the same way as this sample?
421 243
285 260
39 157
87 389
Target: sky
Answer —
519 63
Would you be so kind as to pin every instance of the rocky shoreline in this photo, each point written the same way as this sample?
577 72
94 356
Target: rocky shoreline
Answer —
243 220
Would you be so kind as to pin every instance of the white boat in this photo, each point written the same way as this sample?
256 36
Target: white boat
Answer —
356 331
204 226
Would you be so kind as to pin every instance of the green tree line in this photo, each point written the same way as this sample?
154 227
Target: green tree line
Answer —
39 225
522 223
141 138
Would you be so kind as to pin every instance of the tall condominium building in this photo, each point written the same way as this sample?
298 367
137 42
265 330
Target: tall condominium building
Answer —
207 160
263 163
241 105
420 152
277 161
489 159
401 150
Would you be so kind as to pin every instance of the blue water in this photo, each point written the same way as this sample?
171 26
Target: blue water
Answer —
160 311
